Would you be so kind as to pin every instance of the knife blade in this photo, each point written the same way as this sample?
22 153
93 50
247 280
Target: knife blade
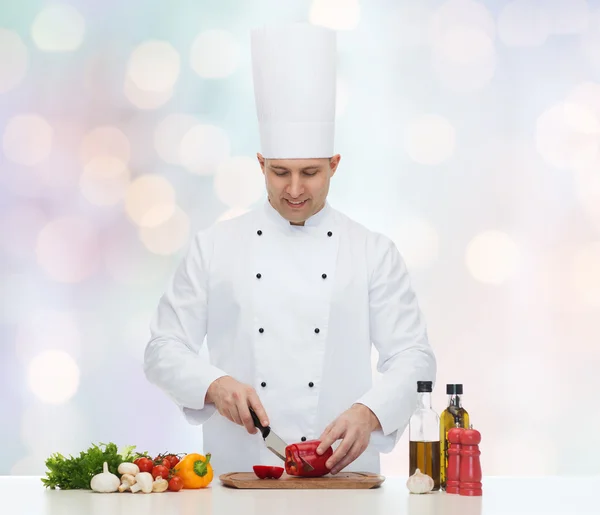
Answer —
273 442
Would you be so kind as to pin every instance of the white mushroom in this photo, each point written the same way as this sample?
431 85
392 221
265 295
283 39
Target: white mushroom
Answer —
127 480
128 468
105 482
160 485
143 482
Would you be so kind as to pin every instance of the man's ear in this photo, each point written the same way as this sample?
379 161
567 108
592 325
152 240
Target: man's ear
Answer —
261 161
334 162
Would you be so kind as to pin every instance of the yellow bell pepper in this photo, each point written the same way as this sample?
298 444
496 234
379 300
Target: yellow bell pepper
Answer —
195 471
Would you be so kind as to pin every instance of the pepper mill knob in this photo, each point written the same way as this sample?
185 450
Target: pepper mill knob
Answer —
470 436
454 434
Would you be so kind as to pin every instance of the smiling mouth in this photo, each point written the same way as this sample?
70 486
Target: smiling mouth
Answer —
296 205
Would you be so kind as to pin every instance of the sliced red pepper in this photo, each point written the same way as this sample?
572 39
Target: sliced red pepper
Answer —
307 451
267 472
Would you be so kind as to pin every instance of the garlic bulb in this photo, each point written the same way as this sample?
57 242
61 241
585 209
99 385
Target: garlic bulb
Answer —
419 483
105 482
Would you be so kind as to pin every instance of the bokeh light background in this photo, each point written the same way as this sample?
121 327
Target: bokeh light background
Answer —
469 132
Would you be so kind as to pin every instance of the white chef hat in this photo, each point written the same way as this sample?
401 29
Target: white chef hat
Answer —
294 71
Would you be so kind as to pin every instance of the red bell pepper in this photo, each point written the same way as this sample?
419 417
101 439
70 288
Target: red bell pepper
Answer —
267 472
307 451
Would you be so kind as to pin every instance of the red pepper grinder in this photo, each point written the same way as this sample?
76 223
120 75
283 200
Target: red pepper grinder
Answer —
453 469
470 463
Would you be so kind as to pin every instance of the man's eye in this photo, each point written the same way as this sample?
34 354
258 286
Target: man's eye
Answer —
311 174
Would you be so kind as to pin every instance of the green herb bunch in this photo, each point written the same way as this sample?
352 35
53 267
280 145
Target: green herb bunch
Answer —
76 472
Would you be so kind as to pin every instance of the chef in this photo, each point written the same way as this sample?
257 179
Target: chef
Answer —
291 297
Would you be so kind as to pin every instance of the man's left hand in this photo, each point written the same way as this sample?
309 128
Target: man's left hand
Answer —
354 427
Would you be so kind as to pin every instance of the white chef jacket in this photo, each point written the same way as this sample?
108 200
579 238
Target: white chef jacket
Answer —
292 311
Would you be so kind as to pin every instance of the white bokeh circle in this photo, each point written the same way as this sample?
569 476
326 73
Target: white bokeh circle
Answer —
150 200
203 148
586 95
58 28
145 100
567 135
335 14
105 140
492 257
239 182
104 180
169 133
14 60
53 376
169 236
154 66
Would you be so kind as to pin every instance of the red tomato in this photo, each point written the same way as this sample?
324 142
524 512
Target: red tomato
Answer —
173 460
267 472
175 484
160 470
144 464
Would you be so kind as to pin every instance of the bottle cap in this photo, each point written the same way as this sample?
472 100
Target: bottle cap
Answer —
454 389
424 386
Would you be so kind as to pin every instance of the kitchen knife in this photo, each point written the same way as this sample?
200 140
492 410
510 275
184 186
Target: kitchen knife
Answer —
274 443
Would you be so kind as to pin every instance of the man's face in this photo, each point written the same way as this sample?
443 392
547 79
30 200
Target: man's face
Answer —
298 188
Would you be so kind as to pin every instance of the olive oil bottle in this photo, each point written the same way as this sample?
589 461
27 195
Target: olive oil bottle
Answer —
424 436
453 416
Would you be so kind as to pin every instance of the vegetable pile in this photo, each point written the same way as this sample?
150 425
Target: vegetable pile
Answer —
102 468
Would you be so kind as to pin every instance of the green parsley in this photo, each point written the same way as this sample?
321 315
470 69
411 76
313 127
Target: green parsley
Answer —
76 472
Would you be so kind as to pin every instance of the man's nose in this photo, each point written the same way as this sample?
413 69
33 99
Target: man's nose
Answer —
295 188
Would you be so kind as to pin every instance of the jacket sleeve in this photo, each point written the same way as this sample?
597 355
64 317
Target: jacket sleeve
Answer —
399 334
178 328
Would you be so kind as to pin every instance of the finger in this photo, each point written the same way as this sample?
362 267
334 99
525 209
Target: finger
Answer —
342 450
325 431
258 409
234 415
354 452
245 417
334 434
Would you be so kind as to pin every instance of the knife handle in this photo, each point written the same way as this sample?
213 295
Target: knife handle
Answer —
264 430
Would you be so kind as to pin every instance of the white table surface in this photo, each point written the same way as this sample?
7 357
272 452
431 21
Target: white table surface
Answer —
501 495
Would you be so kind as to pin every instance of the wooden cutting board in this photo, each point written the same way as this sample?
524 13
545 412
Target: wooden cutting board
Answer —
343 480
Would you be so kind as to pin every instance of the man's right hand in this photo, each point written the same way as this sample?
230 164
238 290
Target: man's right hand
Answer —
232 398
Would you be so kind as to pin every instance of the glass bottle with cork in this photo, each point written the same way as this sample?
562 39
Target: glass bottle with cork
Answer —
455 415
424 436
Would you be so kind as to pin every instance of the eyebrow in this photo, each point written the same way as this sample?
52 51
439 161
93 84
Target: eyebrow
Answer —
276 167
